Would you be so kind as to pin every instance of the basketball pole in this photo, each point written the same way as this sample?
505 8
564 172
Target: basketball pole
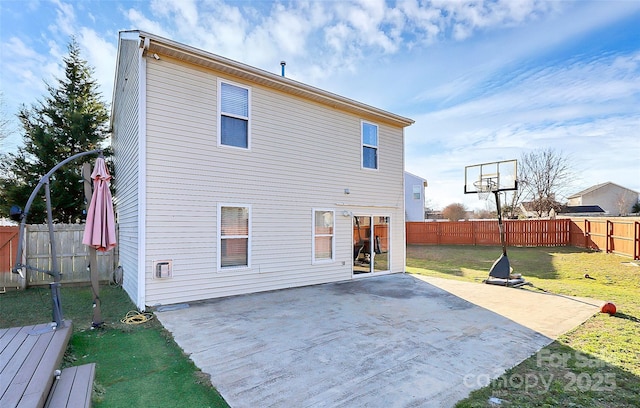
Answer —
501 267
500 224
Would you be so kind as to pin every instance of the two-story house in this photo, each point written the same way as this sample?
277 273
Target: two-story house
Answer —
611 197
230 179
414 200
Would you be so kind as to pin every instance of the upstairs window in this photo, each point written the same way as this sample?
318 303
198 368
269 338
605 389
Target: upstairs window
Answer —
417 191
233 108
369 146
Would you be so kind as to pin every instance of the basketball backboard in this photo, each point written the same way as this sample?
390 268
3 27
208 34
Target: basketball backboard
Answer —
498 176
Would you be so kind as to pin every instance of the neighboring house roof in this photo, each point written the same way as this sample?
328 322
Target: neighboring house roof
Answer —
572 209
597 187
424 180
526 205
160 45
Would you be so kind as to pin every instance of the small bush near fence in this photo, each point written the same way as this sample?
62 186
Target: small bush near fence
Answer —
612 235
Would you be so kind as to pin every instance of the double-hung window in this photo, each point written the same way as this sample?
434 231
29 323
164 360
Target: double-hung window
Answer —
234 236
323 235
233 113
417 191
369 145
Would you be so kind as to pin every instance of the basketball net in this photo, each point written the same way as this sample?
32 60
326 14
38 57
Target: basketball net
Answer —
485 187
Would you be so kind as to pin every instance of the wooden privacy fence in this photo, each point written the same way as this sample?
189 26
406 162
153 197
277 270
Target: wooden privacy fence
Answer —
615 235
8 250
72 254
612 235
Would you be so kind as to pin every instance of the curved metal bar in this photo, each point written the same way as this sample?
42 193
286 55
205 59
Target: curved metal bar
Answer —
55 286
43 180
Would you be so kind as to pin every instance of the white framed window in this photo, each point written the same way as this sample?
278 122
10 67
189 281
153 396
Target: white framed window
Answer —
234 236
323 245
234 111
417 192
369 145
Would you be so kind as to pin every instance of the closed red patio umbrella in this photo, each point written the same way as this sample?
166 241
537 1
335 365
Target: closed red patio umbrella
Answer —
100 228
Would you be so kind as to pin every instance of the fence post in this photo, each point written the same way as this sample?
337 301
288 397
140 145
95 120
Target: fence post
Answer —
636 240
587 232
609 236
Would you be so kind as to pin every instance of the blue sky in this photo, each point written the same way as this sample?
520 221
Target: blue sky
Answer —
484 80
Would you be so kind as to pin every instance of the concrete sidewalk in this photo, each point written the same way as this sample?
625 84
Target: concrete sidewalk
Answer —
546 313
387 341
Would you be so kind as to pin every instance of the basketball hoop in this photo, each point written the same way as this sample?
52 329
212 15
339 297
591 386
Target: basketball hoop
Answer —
485 187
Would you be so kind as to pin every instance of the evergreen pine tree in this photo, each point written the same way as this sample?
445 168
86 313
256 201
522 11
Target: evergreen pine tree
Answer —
71 119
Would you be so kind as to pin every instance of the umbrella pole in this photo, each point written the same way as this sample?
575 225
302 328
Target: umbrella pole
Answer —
95 286
93 257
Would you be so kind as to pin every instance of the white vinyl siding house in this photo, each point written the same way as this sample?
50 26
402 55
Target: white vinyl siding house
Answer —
612 198
414 199
127 123
301 166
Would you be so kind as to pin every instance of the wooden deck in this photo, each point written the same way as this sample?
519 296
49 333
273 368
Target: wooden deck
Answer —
29 357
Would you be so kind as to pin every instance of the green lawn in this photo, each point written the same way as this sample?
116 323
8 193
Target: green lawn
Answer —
136 365
595 365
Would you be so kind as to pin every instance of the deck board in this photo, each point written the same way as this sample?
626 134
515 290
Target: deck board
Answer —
28 358
6 335
74 387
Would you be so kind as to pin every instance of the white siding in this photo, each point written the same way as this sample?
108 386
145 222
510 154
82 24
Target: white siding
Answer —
414 209
125 145
303 155
613 199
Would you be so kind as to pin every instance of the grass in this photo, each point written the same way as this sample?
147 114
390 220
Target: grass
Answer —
595 365
136 365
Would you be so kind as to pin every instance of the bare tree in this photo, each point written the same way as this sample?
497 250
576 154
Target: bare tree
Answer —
512 209
543 175
624 203
454 212
484 214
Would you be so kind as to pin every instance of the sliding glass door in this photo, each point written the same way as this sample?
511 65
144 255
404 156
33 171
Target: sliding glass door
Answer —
370 244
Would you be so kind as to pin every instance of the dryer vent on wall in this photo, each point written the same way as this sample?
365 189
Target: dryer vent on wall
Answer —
162 269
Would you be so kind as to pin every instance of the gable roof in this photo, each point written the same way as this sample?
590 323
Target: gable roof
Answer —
424 180
597 187
156 44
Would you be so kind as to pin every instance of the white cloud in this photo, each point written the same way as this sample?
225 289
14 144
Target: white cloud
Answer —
100 53
27 67
66 19
141 22
184 10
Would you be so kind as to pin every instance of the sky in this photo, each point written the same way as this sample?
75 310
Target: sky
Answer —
483 80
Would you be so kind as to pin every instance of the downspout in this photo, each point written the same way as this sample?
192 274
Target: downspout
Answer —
403 214
142 174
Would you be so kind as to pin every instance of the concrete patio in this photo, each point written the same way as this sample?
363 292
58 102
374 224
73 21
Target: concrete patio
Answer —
389 341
